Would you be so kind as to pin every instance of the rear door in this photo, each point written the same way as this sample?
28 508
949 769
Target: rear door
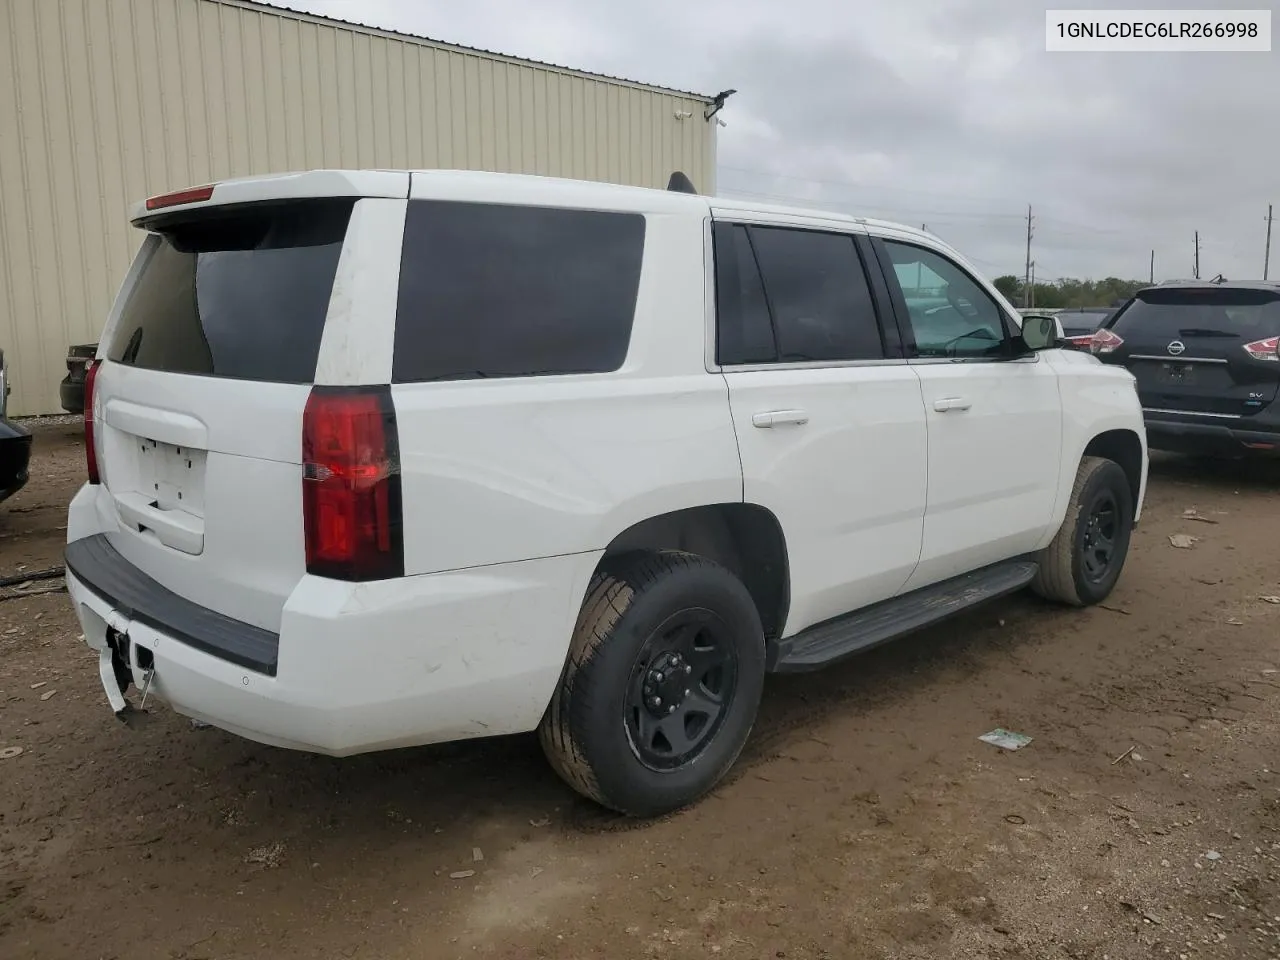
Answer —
1189 348
828 415
206 367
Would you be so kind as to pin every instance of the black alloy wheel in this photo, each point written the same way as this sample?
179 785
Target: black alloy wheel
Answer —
681 689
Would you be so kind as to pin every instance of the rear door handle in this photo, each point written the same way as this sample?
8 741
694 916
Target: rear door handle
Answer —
951 403
772 418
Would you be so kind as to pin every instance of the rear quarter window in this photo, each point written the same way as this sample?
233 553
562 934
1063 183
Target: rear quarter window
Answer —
495 290
235 292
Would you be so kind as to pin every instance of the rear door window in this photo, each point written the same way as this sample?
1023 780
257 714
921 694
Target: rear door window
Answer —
818 295
493 290
235 292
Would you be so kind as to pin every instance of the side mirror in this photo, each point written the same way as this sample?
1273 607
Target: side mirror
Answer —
1041 332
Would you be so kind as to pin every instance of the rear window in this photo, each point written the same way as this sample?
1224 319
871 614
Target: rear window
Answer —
236 292
1203 312
492 290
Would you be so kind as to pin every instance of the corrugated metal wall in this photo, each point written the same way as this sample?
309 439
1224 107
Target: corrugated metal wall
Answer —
103 102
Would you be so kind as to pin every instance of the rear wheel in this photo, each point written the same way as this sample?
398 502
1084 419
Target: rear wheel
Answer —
661 686
1082 564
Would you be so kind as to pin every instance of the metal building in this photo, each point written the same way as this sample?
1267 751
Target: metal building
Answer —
103 102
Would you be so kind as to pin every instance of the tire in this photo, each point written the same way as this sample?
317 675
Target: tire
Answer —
1070 571
663 615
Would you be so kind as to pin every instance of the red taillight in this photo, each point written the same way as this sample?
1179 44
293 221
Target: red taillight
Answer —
1104 341
90 436
1082 342
193 195
1268 349
351 484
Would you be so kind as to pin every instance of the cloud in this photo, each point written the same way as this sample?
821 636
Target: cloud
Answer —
945 112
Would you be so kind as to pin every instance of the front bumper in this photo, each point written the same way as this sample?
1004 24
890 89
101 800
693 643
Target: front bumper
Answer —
1258 435
358 667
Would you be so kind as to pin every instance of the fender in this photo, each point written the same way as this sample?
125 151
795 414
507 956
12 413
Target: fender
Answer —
1096 399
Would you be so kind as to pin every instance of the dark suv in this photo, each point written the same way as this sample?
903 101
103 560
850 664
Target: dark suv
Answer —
1207 360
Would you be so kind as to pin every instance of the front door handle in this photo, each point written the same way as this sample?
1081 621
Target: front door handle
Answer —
951 403
772 418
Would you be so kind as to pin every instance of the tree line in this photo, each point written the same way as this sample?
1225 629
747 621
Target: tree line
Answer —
1069 292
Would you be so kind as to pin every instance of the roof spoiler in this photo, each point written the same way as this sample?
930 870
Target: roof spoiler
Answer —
679 183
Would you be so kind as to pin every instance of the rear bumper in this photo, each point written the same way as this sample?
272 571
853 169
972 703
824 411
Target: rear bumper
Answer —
359 667
71 394
1258 435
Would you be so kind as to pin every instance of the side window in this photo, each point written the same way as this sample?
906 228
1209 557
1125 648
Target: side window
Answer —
950 314
818 294
491 290
744 332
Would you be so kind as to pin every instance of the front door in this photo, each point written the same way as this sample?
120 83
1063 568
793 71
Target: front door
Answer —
994 421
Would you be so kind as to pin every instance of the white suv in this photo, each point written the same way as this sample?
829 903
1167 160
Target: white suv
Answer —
380 458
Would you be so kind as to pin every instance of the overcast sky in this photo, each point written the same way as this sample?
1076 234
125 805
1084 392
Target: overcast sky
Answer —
943 112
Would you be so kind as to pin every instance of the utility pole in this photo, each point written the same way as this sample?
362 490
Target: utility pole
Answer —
1032 288
1153 266
1266 259
1026 280
1197 272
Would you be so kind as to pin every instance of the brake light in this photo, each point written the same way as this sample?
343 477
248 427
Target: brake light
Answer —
90 435
1082 342
1104 341
351 509
1268 349
192 195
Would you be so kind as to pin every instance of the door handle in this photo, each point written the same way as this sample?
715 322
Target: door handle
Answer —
771 418
951 403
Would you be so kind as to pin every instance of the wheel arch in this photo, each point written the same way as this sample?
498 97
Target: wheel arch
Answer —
1125 448
745 538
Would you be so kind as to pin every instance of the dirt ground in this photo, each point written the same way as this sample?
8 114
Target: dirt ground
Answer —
866 821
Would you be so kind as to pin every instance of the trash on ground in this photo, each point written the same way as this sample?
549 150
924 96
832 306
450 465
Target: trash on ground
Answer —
1005 739
1183 541
461 874
47 694
199 724
8 753
1235 621
1191 514
1270 599
477 854
42 683
1213 855
1015 819
545 821
1123 755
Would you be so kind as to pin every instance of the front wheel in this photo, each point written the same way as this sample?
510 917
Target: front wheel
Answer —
1082 564
661 686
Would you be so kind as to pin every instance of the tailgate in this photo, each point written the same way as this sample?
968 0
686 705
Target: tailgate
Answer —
198 402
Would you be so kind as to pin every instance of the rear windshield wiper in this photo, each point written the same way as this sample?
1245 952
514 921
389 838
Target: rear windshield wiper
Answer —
1206 332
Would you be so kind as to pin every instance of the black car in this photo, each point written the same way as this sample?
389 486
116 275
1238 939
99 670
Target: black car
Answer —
1207 360
15 443
1079 324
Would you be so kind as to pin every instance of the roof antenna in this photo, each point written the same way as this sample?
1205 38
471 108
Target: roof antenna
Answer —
1219 279
679 183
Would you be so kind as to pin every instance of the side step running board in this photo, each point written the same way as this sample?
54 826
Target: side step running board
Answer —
836 639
